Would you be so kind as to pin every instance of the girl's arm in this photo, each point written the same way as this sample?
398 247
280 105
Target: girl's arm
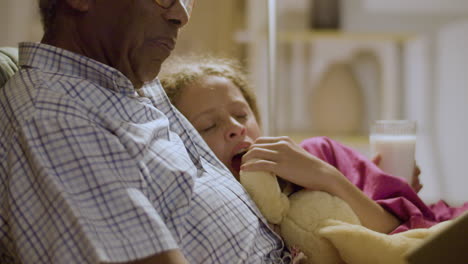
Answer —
283 157
371 214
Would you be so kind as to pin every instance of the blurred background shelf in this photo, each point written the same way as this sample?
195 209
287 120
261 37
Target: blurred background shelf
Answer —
314 35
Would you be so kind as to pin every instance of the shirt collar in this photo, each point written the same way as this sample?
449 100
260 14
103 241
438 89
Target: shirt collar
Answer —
55 60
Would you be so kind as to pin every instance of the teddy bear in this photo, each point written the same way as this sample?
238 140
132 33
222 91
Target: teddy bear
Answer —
325 228
299 216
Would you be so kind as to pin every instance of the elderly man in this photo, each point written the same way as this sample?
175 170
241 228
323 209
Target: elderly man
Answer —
96 166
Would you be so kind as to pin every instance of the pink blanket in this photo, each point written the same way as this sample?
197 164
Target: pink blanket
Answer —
392 193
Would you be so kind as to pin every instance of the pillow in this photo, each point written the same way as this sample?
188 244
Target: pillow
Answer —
8 64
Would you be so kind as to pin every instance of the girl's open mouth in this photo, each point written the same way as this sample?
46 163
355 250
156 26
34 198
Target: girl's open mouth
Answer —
236 161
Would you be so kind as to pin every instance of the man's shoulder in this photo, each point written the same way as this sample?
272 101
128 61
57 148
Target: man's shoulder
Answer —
32 93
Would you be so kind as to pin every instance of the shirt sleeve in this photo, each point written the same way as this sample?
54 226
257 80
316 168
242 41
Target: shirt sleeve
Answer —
77 196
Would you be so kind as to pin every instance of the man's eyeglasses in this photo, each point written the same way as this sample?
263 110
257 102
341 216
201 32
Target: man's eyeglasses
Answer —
187 4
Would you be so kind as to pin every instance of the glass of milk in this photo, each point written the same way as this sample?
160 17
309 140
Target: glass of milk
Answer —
395 141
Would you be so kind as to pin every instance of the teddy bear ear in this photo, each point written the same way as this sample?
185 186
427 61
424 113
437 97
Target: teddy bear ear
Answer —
264 190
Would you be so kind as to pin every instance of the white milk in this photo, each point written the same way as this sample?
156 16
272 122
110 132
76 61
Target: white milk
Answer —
397 152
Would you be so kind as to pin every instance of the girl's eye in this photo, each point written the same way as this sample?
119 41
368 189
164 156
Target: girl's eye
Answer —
241 116
207 129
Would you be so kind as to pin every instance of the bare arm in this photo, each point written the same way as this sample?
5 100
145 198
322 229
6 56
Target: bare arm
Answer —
168 257
371 214
281 156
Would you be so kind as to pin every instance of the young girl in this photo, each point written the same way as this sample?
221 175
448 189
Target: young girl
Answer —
214 95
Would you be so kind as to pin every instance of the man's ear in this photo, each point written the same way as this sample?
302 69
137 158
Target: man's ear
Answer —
79 5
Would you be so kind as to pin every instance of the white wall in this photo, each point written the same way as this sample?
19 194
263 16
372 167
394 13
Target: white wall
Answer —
420 85
435 85
19 21
451 103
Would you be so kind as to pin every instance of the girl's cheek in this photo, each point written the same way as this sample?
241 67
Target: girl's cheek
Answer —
215 142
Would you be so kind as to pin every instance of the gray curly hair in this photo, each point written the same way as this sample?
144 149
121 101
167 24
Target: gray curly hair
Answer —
48 10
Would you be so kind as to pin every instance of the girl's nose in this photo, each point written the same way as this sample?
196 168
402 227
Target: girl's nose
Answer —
235 130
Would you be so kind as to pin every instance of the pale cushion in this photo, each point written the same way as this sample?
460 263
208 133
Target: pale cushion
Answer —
8 63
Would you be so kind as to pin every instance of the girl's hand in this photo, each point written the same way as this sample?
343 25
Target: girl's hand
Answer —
415 183
283 157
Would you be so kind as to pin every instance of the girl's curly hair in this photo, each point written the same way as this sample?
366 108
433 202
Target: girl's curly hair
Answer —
180 72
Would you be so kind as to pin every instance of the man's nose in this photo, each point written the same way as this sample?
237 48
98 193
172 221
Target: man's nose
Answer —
177 14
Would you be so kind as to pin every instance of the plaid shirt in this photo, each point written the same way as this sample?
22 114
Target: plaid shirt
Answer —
91 172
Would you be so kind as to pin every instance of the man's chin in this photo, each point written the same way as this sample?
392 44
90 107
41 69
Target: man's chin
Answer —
151 72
